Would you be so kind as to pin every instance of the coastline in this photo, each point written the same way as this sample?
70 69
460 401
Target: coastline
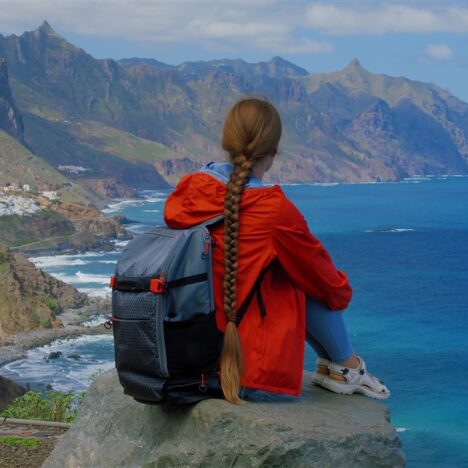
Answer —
18 344
71 320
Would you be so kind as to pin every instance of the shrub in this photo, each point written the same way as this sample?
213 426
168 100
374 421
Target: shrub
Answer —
54 406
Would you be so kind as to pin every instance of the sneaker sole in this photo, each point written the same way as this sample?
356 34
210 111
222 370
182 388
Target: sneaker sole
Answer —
346 389
318 379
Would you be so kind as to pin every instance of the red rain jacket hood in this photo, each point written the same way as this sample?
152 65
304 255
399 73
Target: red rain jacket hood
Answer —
273 236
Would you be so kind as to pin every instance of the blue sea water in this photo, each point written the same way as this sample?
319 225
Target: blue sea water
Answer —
404 247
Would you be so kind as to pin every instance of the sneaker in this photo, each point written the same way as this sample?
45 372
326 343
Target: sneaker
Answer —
317 377
358 380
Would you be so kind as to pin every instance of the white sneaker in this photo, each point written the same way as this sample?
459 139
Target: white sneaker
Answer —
323 363
358 380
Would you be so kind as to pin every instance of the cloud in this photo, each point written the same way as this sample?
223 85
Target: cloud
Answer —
438 52
273 26
267 26
360 19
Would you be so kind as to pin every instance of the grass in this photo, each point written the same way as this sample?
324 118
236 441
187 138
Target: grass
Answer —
122 144
20 441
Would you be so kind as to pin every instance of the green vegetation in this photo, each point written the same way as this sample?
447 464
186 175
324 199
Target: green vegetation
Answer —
3 260
54 406
121 144
20 166
45 323
52 304
20 441
18 230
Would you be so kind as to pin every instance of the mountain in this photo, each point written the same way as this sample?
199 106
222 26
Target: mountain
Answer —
31 298
10 120
39 206
142 123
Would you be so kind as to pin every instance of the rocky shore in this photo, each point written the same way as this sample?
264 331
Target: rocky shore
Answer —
71 319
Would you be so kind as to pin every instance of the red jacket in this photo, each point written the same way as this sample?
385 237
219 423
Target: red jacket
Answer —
272 233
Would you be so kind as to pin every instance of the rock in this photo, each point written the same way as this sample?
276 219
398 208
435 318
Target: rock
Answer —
76 357
54 355
319 429
9 390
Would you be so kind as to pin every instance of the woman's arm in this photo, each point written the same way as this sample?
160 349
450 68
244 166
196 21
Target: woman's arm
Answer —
306 261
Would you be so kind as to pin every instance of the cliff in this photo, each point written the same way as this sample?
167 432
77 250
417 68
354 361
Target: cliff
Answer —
320 429
31 298
10 119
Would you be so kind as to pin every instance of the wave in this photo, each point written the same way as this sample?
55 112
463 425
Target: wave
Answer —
80 277
152 211
117 206
64 373
96 320
102 292
401 429
48 261
153 193
153 197
120 243
391 230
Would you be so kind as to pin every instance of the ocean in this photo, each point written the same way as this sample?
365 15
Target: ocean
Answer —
404 247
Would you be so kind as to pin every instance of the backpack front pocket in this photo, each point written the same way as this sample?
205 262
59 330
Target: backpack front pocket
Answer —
140 352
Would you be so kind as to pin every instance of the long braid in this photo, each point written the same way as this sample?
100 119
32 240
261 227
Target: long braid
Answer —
252 131
231 357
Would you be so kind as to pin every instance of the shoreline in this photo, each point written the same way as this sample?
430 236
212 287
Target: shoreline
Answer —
71 320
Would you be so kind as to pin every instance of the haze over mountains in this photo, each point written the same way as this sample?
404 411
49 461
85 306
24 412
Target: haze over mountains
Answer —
142 123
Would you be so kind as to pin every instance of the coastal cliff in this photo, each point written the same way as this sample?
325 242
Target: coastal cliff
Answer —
320 429
31 298
10 120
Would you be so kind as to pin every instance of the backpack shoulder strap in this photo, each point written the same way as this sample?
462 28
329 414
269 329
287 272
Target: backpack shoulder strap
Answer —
211 221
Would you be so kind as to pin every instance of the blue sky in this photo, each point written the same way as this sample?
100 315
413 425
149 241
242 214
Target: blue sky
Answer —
422 40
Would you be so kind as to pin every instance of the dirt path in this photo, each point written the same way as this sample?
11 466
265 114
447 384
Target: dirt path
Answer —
39 440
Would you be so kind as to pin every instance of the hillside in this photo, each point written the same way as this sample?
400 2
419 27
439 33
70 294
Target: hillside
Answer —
41 208
30 298
143 123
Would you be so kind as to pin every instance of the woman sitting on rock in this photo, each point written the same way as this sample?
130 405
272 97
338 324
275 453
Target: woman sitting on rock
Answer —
265 256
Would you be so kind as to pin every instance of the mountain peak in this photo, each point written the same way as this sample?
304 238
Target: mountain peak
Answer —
46 28
285 66
354 64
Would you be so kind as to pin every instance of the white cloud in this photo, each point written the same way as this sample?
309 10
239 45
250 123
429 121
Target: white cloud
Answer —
272 26
438 52
360 19
268 26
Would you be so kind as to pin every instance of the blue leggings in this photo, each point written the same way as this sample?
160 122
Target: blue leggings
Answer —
326 332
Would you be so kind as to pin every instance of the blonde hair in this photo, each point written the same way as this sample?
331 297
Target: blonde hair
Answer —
252 130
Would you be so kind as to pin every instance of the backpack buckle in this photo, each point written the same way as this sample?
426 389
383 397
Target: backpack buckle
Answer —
157 285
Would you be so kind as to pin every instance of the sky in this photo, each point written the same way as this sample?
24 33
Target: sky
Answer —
422 40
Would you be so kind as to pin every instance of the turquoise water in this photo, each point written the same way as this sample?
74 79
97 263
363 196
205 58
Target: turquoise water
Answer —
404 247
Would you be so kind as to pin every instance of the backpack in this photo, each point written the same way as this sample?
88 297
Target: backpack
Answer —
166 341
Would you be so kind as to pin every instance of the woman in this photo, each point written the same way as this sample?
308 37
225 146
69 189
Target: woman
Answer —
265 249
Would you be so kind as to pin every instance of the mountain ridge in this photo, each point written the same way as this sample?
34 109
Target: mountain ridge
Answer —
176 111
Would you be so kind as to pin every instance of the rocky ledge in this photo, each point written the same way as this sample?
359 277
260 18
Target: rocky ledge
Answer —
320 429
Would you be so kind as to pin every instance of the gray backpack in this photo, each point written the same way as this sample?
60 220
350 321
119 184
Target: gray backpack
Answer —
166 341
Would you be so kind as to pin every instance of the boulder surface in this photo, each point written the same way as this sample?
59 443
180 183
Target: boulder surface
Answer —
319 429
